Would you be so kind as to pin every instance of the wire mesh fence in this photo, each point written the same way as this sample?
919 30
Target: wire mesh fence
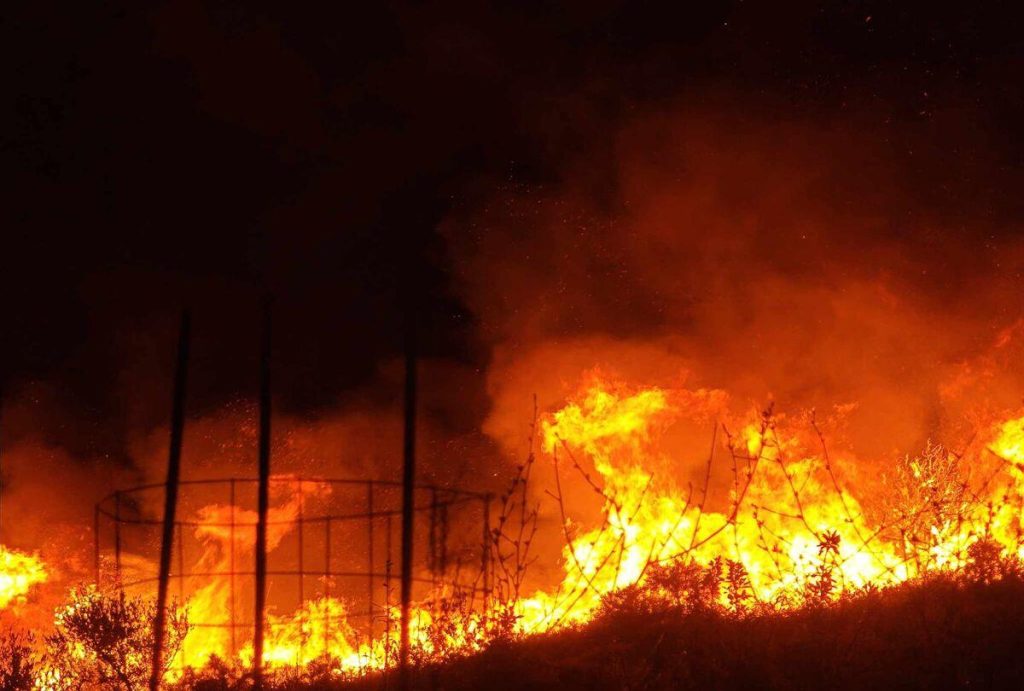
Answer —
333 554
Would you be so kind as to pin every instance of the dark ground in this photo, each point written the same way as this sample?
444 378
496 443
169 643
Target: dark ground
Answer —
936 635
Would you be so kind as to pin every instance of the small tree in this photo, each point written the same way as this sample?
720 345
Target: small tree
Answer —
105 640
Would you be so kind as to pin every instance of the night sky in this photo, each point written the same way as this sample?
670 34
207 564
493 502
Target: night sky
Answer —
186 154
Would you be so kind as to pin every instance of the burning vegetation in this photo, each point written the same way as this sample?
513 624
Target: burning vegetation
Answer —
771 522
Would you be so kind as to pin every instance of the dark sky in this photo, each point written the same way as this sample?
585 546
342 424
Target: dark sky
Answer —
162 155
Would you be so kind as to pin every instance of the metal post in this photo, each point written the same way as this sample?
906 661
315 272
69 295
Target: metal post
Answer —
1 463
170 502
263 502
408 493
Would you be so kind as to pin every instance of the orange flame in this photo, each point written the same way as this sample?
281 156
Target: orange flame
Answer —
786 520
19 572
772 505
787 515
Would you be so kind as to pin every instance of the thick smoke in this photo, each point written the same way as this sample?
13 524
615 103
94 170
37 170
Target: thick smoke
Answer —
847 265
814 263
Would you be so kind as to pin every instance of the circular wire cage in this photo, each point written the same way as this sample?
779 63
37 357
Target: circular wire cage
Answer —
328 540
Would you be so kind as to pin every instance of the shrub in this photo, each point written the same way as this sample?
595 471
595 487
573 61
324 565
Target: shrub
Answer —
105 640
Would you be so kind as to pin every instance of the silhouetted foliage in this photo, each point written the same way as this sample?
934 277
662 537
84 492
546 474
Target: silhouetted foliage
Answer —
680 631
105 641
19 662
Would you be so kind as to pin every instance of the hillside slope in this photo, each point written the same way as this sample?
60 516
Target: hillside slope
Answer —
943 633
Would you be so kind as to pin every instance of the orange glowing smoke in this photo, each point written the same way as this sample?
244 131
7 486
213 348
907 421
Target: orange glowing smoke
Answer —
19 572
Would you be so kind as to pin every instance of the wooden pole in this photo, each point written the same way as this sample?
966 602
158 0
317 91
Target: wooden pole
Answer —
170 501
408 492
263 502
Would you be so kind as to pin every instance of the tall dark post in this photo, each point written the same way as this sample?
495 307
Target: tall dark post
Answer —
263 501
1 462
408 490
170 501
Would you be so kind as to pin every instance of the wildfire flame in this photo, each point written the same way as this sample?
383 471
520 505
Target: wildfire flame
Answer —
788 518
788 523
771 508
222 529
19 573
